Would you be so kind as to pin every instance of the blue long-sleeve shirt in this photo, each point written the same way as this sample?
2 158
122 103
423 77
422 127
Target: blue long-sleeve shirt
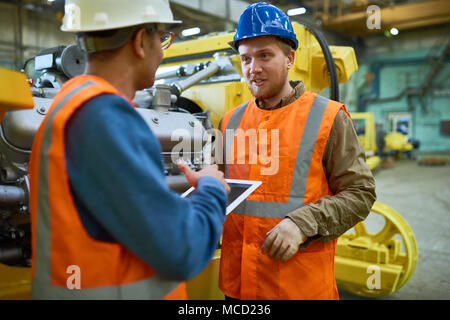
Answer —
116 175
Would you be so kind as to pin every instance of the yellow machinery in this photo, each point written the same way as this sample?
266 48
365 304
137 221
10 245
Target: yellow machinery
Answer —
12 95
365 128
15 94
396 141
15 283
217 94
377 264
205 285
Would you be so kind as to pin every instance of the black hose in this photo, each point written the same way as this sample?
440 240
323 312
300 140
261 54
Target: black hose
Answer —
331 66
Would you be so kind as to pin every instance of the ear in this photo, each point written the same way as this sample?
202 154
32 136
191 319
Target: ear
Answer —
291 59
138 43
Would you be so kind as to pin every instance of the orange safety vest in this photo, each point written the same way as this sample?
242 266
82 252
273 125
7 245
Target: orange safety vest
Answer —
299 133
61 246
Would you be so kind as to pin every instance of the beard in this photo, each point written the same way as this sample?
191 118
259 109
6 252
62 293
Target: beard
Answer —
270 88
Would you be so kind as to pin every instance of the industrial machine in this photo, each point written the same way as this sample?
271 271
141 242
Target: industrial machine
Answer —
364 123
397 142
198 81
376 264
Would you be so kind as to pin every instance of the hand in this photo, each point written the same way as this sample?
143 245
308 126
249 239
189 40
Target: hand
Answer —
284 239
210 171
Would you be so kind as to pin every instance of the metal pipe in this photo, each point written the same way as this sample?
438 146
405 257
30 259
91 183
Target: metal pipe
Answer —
44 92
168 74
182 85
162 99
11 195
415 91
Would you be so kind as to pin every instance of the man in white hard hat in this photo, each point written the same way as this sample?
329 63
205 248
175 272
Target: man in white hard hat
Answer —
104 223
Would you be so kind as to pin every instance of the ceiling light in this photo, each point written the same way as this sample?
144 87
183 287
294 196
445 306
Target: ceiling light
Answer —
394 31
296 11
190 32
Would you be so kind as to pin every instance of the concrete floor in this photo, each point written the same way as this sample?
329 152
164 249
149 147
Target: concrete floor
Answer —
421 194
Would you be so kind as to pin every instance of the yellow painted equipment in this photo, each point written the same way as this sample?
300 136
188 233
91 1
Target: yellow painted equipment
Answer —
373 162
15 283
361 253
396 141
368 137
205 285
15 92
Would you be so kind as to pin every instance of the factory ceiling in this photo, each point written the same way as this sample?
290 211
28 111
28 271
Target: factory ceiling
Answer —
358 17
346 17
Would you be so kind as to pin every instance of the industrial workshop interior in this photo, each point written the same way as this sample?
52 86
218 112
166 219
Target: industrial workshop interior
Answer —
387 61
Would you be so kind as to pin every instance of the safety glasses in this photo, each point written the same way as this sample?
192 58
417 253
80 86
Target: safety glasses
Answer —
166 36
166 39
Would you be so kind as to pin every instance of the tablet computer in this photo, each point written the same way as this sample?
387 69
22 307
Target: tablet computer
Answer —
240 190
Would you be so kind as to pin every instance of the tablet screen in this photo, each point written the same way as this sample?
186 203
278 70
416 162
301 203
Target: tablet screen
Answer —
240 190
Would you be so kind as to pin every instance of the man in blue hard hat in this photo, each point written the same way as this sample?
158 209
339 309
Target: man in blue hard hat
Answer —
280 243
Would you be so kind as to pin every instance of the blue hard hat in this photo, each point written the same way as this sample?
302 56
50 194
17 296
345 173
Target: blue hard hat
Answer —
263 19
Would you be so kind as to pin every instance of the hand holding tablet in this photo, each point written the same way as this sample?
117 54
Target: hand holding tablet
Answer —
240 190
210 171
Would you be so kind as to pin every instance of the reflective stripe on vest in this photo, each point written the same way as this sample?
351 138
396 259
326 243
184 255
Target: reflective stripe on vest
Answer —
232 125
302 163
42 288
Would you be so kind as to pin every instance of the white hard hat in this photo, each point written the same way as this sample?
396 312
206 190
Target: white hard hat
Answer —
98 15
